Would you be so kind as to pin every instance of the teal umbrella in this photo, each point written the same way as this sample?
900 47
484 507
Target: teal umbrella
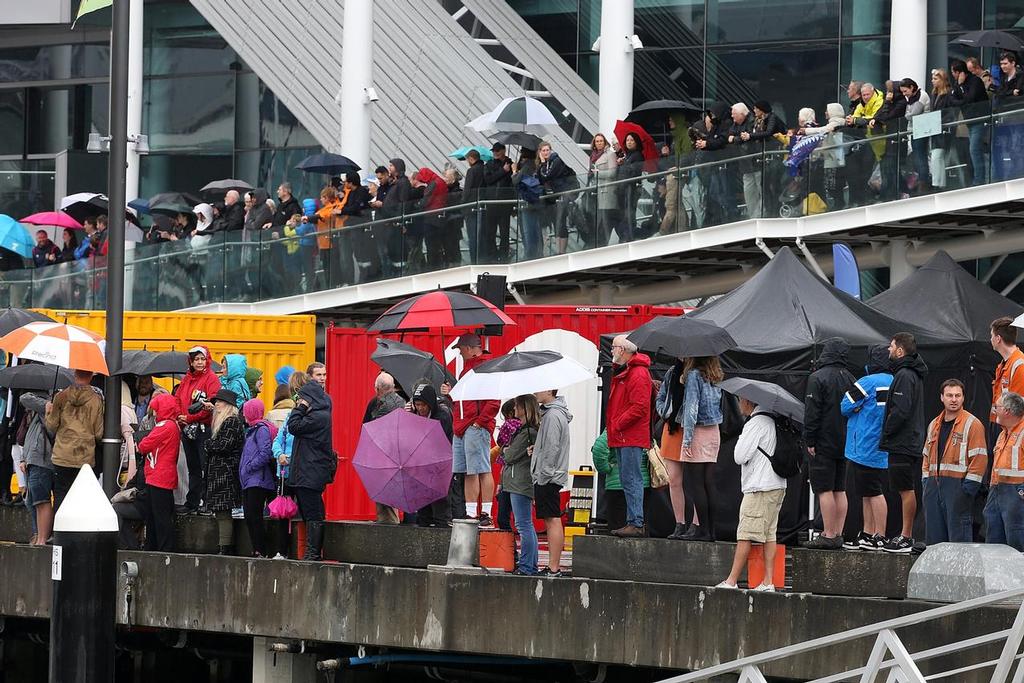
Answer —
460 153
14 237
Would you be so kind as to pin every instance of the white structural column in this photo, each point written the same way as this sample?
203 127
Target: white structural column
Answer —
908 41
899 266
357 93
615 49
135 69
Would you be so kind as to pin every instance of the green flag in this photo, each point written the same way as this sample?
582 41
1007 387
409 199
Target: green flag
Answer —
88 6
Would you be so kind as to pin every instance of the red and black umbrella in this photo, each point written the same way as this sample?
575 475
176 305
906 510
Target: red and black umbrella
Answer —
647 146
440 309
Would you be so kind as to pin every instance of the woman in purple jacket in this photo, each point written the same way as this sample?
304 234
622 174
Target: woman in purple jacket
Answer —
256 472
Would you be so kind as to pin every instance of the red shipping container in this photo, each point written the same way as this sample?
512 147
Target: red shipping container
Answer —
351 374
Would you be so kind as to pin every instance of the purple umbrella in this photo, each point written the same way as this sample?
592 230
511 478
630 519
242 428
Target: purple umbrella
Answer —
404 460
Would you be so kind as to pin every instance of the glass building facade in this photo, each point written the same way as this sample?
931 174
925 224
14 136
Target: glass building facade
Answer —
793 53
207 115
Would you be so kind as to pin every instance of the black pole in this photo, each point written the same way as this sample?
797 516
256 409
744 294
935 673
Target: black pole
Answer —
84 574
118 162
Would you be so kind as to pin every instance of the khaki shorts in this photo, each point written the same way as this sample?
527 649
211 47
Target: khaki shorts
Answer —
759 515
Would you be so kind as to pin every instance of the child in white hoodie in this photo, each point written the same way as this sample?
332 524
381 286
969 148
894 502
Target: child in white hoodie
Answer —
763 491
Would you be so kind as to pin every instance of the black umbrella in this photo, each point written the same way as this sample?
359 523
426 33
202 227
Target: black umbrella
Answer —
173 203
36 377
13 318
682 337
999 39
767 396
222 187
328 163
525 140
656 112
158 363
409 365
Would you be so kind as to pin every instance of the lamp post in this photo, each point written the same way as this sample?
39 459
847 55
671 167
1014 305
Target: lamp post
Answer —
116 170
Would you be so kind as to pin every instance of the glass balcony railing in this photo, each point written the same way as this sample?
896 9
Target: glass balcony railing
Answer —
849 167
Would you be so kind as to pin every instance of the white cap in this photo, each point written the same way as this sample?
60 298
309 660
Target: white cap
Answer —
86 507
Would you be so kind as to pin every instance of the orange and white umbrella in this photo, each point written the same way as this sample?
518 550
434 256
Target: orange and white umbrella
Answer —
58 344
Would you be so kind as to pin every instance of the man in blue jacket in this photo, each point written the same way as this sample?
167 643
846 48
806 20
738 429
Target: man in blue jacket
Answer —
864 408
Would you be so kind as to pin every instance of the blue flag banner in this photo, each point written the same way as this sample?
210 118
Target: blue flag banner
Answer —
846 273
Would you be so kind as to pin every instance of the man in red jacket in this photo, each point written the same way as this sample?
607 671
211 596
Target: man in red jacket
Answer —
473 424
197 388
628 421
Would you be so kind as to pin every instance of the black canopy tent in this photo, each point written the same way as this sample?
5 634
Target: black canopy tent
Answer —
779 319
943 296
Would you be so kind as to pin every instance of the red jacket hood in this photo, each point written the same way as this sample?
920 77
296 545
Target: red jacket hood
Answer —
639 360
164 407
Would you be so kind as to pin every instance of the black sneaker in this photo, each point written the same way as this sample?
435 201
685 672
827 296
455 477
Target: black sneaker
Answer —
485 520
819 542
899 544
877 542
183 510
855 544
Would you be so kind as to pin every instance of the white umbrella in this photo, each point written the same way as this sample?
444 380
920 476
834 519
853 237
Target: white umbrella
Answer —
516 115
1019 321
520 372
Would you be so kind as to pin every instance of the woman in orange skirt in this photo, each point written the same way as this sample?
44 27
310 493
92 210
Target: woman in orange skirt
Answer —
669 405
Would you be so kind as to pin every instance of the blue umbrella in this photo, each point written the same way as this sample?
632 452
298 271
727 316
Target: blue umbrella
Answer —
14 237
460 153
141 205
326 162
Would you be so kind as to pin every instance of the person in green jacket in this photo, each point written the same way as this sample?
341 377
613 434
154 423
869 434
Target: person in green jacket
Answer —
517 480
656 506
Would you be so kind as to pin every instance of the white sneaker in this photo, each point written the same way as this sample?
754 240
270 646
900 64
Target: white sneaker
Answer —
765 588
726 584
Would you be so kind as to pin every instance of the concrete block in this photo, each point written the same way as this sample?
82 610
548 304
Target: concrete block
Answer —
15 524
952 572
393 545
856 574
655 560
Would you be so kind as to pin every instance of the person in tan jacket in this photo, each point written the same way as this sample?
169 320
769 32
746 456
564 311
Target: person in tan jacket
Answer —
75 418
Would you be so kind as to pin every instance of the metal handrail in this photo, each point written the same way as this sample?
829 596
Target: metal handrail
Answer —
862 632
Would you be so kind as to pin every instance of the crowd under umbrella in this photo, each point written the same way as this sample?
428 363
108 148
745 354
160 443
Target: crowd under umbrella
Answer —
682 337
409 365
68 346
440 309
14 237
520 372
767 396
404 460
327 163
84 205
1002 40
36 377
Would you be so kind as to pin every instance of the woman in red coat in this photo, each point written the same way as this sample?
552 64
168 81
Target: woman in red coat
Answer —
160 468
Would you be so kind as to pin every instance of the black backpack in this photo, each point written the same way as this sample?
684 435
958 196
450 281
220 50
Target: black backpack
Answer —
789 447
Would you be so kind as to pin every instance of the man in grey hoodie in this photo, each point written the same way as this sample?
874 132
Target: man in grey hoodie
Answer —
549 466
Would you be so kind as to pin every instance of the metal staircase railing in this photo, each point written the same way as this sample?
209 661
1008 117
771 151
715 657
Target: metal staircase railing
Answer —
889 655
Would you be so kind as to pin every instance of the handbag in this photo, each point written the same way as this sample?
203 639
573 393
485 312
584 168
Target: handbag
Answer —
656 467
125 495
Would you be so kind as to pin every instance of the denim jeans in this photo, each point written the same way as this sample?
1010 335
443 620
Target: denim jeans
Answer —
522 509
529 227
630 461
1004 516
947 511
979 164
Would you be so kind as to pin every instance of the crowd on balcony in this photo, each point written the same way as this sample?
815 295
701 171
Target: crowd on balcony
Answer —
732 162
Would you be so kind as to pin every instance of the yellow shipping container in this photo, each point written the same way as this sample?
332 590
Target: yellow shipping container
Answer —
267 341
